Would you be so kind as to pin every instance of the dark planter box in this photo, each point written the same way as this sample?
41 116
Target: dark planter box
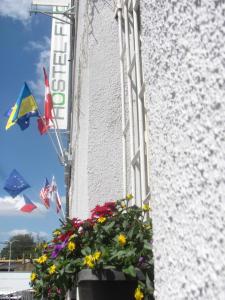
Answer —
108 284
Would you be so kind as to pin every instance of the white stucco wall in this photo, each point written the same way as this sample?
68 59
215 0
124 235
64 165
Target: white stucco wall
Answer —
183 50
97 146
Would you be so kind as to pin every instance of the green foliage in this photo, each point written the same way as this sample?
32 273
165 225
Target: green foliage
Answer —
22 246
117 236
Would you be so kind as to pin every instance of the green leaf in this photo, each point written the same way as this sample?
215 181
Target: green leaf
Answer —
130 271
130 233
125 224
109 226
86 251
147 245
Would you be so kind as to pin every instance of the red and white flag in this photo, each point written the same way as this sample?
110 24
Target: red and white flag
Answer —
42 125
48 100
45 194
44 121
55 195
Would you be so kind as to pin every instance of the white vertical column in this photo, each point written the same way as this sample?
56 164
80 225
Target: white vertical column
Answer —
129 90
140 103
122 98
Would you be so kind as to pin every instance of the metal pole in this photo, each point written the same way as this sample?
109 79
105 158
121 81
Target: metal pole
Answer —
53 144
51 16
10 254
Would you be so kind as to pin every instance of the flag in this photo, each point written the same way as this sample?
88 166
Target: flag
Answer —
48 99
15 184
45 194
43 122
24 121
55 195
27 205
25 105
42 125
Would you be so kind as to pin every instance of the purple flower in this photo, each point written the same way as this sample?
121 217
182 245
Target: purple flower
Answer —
58 248
141 260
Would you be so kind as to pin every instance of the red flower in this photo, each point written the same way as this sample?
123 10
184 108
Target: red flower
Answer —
77 223
65 236
104 210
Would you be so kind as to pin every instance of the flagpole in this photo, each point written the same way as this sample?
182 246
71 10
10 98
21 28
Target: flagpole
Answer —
55 193
63 213
54 120
58 137
54 146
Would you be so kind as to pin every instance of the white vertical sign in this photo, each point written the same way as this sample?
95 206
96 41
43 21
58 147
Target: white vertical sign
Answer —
59 67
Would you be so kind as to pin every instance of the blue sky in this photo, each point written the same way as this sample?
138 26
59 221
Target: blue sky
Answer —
24 50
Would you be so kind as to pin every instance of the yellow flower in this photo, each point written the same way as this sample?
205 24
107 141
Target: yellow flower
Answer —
56 232
147 226
52 269
122 239
42 259
33 276
101 220
71 246
138 295
44 246
89 261
123 205
146 207
129 196
96 255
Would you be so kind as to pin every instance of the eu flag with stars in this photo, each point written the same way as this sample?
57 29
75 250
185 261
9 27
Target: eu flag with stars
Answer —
15 184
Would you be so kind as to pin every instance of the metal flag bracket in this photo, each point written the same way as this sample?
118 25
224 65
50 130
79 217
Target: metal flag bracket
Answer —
48 10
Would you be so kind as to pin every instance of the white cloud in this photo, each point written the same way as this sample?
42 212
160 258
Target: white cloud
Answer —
16 9
10 207
18 231
43 61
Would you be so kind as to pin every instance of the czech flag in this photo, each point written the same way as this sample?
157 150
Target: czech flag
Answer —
27 205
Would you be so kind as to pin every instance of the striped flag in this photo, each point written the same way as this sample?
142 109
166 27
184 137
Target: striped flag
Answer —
45 194
55 195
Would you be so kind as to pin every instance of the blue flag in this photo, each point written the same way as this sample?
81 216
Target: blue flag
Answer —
15 184
24 121
25 104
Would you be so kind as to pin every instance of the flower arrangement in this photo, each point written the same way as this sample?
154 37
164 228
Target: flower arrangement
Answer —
116 236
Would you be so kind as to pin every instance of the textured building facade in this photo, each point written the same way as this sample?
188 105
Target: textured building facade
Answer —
183 64
96 132
183 53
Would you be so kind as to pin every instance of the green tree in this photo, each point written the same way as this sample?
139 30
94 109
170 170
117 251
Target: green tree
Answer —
22 246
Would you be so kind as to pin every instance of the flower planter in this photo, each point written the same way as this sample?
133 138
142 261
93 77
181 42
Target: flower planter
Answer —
107 284
117 236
